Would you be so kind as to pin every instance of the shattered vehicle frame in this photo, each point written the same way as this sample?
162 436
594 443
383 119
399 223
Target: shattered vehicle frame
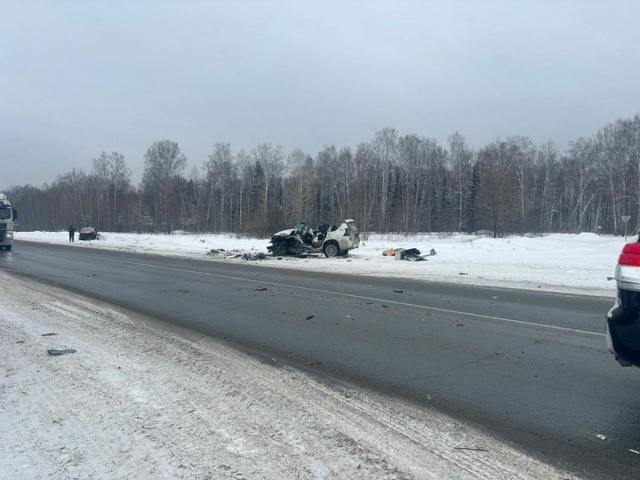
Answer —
328 239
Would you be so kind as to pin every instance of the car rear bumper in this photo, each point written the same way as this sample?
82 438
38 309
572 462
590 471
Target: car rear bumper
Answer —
622 325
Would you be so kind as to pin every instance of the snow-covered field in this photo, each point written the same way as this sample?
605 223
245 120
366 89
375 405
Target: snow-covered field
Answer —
568 263
142 399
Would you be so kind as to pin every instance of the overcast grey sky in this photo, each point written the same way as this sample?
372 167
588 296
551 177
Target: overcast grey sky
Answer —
81 77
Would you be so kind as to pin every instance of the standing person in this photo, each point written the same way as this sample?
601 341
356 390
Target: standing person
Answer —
72 233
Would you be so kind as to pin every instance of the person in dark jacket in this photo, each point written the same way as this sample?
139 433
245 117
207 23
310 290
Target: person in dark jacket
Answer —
72 233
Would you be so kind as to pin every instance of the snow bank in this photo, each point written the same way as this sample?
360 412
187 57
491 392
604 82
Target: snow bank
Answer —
557 262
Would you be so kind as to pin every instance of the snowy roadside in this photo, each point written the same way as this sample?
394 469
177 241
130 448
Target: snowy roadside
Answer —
558 262
143 399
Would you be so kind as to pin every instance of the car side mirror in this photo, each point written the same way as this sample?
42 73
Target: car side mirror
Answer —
15 214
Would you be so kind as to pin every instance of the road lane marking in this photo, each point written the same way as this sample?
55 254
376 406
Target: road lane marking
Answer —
363 297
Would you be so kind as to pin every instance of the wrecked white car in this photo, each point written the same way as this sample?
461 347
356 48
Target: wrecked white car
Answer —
328 239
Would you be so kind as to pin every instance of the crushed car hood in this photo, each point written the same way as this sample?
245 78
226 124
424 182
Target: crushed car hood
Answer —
283 233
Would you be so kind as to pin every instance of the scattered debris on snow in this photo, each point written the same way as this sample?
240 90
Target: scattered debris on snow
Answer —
254 256
410 254
237 253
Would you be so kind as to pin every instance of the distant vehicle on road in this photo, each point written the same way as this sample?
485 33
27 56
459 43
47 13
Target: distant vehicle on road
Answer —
623 320
8 216
328 239
88 233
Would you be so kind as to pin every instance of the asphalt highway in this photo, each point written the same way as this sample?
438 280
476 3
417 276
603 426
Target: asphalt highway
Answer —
529 367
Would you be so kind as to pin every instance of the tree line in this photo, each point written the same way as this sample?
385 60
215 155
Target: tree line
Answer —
390 183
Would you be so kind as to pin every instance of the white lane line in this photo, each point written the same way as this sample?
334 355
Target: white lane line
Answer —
362 297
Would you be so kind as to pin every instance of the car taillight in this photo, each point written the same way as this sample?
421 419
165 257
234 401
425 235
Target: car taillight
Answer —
630 255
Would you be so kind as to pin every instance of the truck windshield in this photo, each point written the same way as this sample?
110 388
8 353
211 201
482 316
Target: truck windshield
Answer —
5 213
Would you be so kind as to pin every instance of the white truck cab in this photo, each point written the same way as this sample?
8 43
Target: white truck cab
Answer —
8 216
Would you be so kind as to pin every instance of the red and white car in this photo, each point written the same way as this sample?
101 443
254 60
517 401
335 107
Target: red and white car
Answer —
623 320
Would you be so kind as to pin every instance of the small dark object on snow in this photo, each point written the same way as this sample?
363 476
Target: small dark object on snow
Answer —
50 334
398 291
20 341
460 325
180 290
62 351
385 306
475 449
254 256
261 289
463 273
88 233
310 317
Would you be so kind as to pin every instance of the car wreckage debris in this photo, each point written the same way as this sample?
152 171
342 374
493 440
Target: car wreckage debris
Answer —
231 254
60 351
409 254
254 256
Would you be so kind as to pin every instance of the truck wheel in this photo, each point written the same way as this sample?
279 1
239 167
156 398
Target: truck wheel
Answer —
8 247
331 249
